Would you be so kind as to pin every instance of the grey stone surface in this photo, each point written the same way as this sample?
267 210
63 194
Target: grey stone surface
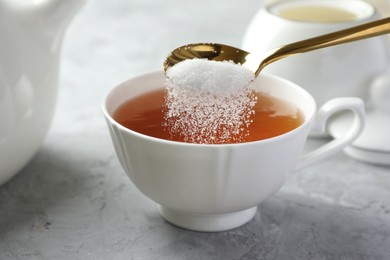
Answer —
73 200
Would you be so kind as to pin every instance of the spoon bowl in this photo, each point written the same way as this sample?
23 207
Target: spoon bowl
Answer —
256 63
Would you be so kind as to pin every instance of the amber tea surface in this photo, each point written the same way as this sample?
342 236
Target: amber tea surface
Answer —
146 114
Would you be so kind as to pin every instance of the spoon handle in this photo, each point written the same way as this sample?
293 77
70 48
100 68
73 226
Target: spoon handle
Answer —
359 32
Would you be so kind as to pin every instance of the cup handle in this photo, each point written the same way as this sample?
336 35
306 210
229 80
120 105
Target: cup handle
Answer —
356 105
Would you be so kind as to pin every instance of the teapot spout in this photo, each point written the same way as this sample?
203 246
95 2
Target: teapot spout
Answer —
59 10
56 15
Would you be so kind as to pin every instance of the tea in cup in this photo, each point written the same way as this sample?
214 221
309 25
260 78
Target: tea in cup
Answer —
344 70
216 187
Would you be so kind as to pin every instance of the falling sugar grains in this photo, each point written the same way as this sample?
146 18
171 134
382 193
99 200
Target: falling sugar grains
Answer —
209 102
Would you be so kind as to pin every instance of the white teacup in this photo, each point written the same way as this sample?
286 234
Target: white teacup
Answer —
344 70
218 187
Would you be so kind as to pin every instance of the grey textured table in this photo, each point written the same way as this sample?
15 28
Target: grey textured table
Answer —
73 200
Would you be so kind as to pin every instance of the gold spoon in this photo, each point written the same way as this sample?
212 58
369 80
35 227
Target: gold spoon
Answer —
256 63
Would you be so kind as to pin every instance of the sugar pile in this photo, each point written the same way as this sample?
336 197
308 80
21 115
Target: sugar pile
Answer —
209 102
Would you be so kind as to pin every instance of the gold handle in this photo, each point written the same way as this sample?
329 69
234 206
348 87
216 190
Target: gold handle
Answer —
359 32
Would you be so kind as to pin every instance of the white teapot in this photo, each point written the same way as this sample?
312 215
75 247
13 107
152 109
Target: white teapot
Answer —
30 43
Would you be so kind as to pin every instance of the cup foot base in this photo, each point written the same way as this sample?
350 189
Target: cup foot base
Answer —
207 222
